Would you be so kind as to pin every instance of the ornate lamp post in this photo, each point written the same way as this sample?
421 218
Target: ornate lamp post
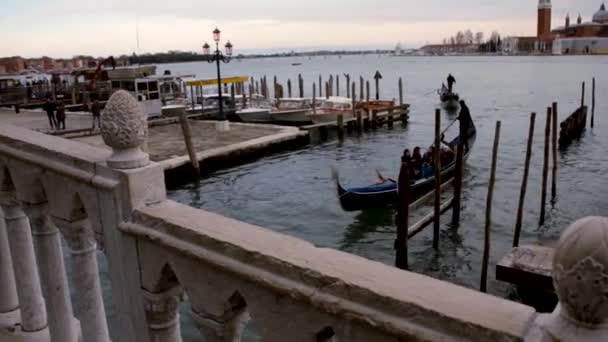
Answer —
216 57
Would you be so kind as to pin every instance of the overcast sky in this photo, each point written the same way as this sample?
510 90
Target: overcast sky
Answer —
62 28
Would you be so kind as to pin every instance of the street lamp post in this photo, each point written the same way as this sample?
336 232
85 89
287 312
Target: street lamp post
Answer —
218 57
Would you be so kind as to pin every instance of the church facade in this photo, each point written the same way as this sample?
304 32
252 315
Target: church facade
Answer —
590 37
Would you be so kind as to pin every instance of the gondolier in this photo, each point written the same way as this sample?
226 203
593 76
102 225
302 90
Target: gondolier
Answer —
451 81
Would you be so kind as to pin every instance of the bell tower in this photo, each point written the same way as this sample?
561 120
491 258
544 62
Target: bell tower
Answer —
544 18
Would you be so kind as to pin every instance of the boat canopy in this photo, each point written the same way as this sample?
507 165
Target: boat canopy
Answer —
213 81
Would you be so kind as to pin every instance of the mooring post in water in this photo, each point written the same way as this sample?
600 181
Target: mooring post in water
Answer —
243 97
330 86
377 77
458 172
403 215
340 126
314 98
400 91
543 199
301 85
192 96
337 85
232 96
593 103
554 150
275 84
187 131
437 173
361 92
583 95
356 113
347 85
327 90
257 87
320 86
289 87
488 225
524 183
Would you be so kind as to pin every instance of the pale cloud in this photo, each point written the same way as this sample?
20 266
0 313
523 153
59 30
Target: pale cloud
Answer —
67 27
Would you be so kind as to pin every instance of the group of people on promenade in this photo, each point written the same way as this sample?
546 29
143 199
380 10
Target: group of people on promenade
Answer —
55 110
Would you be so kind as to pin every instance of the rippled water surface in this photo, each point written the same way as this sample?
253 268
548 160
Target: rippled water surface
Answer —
293 193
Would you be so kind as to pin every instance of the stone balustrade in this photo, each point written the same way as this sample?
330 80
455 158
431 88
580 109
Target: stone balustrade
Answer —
161 253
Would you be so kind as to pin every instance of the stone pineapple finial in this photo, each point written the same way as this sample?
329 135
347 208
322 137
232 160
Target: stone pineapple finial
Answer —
580 277
124 128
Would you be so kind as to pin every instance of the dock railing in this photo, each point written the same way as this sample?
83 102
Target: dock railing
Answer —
161 253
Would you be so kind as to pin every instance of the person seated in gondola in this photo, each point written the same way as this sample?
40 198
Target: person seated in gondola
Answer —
446 154
416 162
426 170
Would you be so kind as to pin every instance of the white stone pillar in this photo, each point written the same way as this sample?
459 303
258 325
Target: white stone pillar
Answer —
162 314
9 304
88 305
29 292
62 326
225 328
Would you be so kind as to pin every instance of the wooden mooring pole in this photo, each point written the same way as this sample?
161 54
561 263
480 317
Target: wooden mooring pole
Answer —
327 90
400 91
289 88
524 183
488 223
543 196
583 95
356 113
458 175
314 98
361 92
437 172
593 103
337 85
347 85
301 85
403 215
554 153
320 86
187 131
340 126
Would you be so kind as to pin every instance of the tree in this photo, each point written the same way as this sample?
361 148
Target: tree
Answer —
479 38
452 40
468 37
459 38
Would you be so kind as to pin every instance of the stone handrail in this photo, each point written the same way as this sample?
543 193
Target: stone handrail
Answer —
160 253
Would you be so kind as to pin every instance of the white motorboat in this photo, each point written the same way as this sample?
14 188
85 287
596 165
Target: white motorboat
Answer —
292 110
255 115
331 108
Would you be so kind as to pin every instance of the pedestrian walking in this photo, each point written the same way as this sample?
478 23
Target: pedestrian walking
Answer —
96 111
61 115
49 107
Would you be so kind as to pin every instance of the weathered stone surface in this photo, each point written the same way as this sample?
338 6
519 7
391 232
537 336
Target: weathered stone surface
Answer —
124 128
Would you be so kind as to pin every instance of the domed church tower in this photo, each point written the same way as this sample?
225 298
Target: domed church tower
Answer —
544 18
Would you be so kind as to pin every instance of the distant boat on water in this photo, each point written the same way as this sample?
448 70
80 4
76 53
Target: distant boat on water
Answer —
296 64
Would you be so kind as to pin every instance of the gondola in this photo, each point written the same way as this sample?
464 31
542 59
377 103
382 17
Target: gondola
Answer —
381 195
448 99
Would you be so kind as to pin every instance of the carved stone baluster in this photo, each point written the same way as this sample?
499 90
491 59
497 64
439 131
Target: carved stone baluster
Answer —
29 292
162 313
55 287
9 305
33 311
227 327
88 304
580 276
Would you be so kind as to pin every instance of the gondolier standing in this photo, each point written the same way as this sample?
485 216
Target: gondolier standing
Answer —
465 120
451 81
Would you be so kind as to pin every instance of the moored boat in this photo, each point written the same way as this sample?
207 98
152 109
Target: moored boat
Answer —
385 193
292 111
255 115
331 108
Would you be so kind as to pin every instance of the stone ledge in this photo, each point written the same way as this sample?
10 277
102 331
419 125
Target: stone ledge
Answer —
395 302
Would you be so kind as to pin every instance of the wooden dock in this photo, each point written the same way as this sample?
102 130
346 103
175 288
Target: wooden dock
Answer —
369 121
530 269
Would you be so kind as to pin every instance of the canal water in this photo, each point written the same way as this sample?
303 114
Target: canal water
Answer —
293 193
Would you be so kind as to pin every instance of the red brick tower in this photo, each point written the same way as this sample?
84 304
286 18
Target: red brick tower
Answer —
544 18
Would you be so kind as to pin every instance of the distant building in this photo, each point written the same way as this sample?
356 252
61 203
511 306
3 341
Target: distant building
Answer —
12 65
519 45
583 37
448 49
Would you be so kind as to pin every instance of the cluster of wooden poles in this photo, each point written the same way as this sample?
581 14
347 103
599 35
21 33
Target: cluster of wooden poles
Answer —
331 87
404 232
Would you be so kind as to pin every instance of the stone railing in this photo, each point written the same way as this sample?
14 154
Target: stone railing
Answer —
160 253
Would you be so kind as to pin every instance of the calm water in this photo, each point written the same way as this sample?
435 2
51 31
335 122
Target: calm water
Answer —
293 193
